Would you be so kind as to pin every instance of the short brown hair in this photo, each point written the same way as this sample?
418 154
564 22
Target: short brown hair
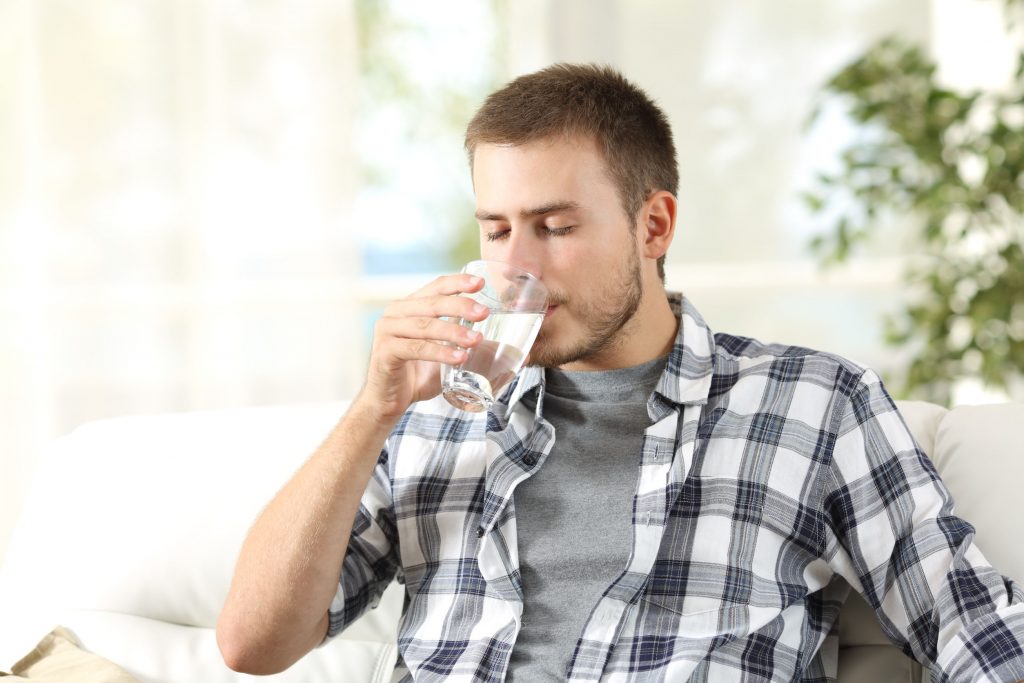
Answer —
633 134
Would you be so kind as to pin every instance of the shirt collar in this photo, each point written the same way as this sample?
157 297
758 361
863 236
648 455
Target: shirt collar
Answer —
529 379
687 376
685 380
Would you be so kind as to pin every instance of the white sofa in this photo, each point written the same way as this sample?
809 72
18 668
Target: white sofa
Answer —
131 529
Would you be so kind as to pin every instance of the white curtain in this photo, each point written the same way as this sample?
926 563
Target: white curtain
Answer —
175 188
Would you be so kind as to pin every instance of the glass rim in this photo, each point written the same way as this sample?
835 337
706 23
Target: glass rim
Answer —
504 264
532 295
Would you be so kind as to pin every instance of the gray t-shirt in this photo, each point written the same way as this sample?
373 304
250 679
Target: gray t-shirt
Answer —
573 516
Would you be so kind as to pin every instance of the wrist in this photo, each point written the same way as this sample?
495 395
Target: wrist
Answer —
367 413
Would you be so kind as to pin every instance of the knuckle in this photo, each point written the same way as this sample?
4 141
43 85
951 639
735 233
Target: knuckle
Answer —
440 306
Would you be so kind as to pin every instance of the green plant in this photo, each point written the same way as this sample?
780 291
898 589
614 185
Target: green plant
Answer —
952 166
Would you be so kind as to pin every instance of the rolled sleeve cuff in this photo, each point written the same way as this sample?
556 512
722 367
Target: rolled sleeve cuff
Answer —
336 613
988 649
347 606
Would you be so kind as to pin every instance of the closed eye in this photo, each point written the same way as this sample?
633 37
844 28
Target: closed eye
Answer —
557 232
551 232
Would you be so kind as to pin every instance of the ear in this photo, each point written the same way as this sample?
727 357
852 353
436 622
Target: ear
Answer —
658 223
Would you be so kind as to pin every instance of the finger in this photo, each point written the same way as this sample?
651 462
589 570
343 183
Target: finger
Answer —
450 284
427 328
436 307
425 350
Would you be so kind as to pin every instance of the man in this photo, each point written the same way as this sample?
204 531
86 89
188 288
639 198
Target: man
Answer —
648 500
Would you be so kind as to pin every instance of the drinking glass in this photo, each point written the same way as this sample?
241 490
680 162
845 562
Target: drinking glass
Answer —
517 301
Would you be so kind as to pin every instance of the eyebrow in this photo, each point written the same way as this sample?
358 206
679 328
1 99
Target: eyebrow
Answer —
542 210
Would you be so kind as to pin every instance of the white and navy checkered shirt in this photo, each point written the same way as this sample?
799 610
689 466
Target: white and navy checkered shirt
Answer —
771 479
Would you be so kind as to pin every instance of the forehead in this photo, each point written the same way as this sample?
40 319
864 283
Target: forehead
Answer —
535 170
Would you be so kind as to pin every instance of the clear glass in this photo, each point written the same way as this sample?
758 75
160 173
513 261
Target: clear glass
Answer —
517 301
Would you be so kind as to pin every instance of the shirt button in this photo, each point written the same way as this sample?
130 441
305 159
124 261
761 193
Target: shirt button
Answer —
479 532
530 459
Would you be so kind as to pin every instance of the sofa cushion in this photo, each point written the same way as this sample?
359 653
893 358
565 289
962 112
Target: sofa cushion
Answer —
923 420
877 664
157 652
58 658
144 516
978 454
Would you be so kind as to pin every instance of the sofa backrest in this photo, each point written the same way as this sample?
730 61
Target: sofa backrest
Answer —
145 516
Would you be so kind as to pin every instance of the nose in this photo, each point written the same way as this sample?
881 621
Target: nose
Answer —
523 253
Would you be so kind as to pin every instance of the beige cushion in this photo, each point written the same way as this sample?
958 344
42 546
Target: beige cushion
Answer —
59 659
923 419
158 652
877 664
978 454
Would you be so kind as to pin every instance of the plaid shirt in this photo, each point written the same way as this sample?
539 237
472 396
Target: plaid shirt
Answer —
771 479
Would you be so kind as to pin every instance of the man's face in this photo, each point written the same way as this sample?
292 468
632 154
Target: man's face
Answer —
550 208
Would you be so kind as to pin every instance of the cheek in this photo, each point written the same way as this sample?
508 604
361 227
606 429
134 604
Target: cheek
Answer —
487 250
581 270
584 258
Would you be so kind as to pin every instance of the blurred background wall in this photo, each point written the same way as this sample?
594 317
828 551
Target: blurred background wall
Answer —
205 203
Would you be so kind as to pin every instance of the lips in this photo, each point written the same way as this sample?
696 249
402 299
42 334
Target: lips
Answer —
551 309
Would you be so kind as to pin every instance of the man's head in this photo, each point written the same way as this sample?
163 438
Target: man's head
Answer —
570 101
574 174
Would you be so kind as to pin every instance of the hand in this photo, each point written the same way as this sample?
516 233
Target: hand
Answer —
410 341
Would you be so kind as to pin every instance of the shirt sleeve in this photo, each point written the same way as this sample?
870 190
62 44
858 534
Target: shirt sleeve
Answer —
371 561
890 531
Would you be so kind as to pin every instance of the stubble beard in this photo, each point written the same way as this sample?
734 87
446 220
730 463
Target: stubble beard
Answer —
603 326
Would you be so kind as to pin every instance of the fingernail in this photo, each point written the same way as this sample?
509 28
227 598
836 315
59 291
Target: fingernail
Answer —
474 281
478 309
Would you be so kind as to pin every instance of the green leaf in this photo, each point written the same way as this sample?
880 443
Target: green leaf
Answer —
905 161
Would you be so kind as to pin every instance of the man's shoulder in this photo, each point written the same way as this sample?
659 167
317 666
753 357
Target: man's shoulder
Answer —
737 355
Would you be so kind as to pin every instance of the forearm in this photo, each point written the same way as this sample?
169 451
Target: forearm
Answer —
288 568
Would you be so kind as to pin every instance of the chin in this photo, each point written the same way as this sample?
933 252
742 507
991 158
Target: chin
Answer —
548 356
552 350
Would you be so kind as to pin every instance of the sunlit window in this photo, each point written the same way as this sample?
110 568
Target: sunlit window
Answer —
424 69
